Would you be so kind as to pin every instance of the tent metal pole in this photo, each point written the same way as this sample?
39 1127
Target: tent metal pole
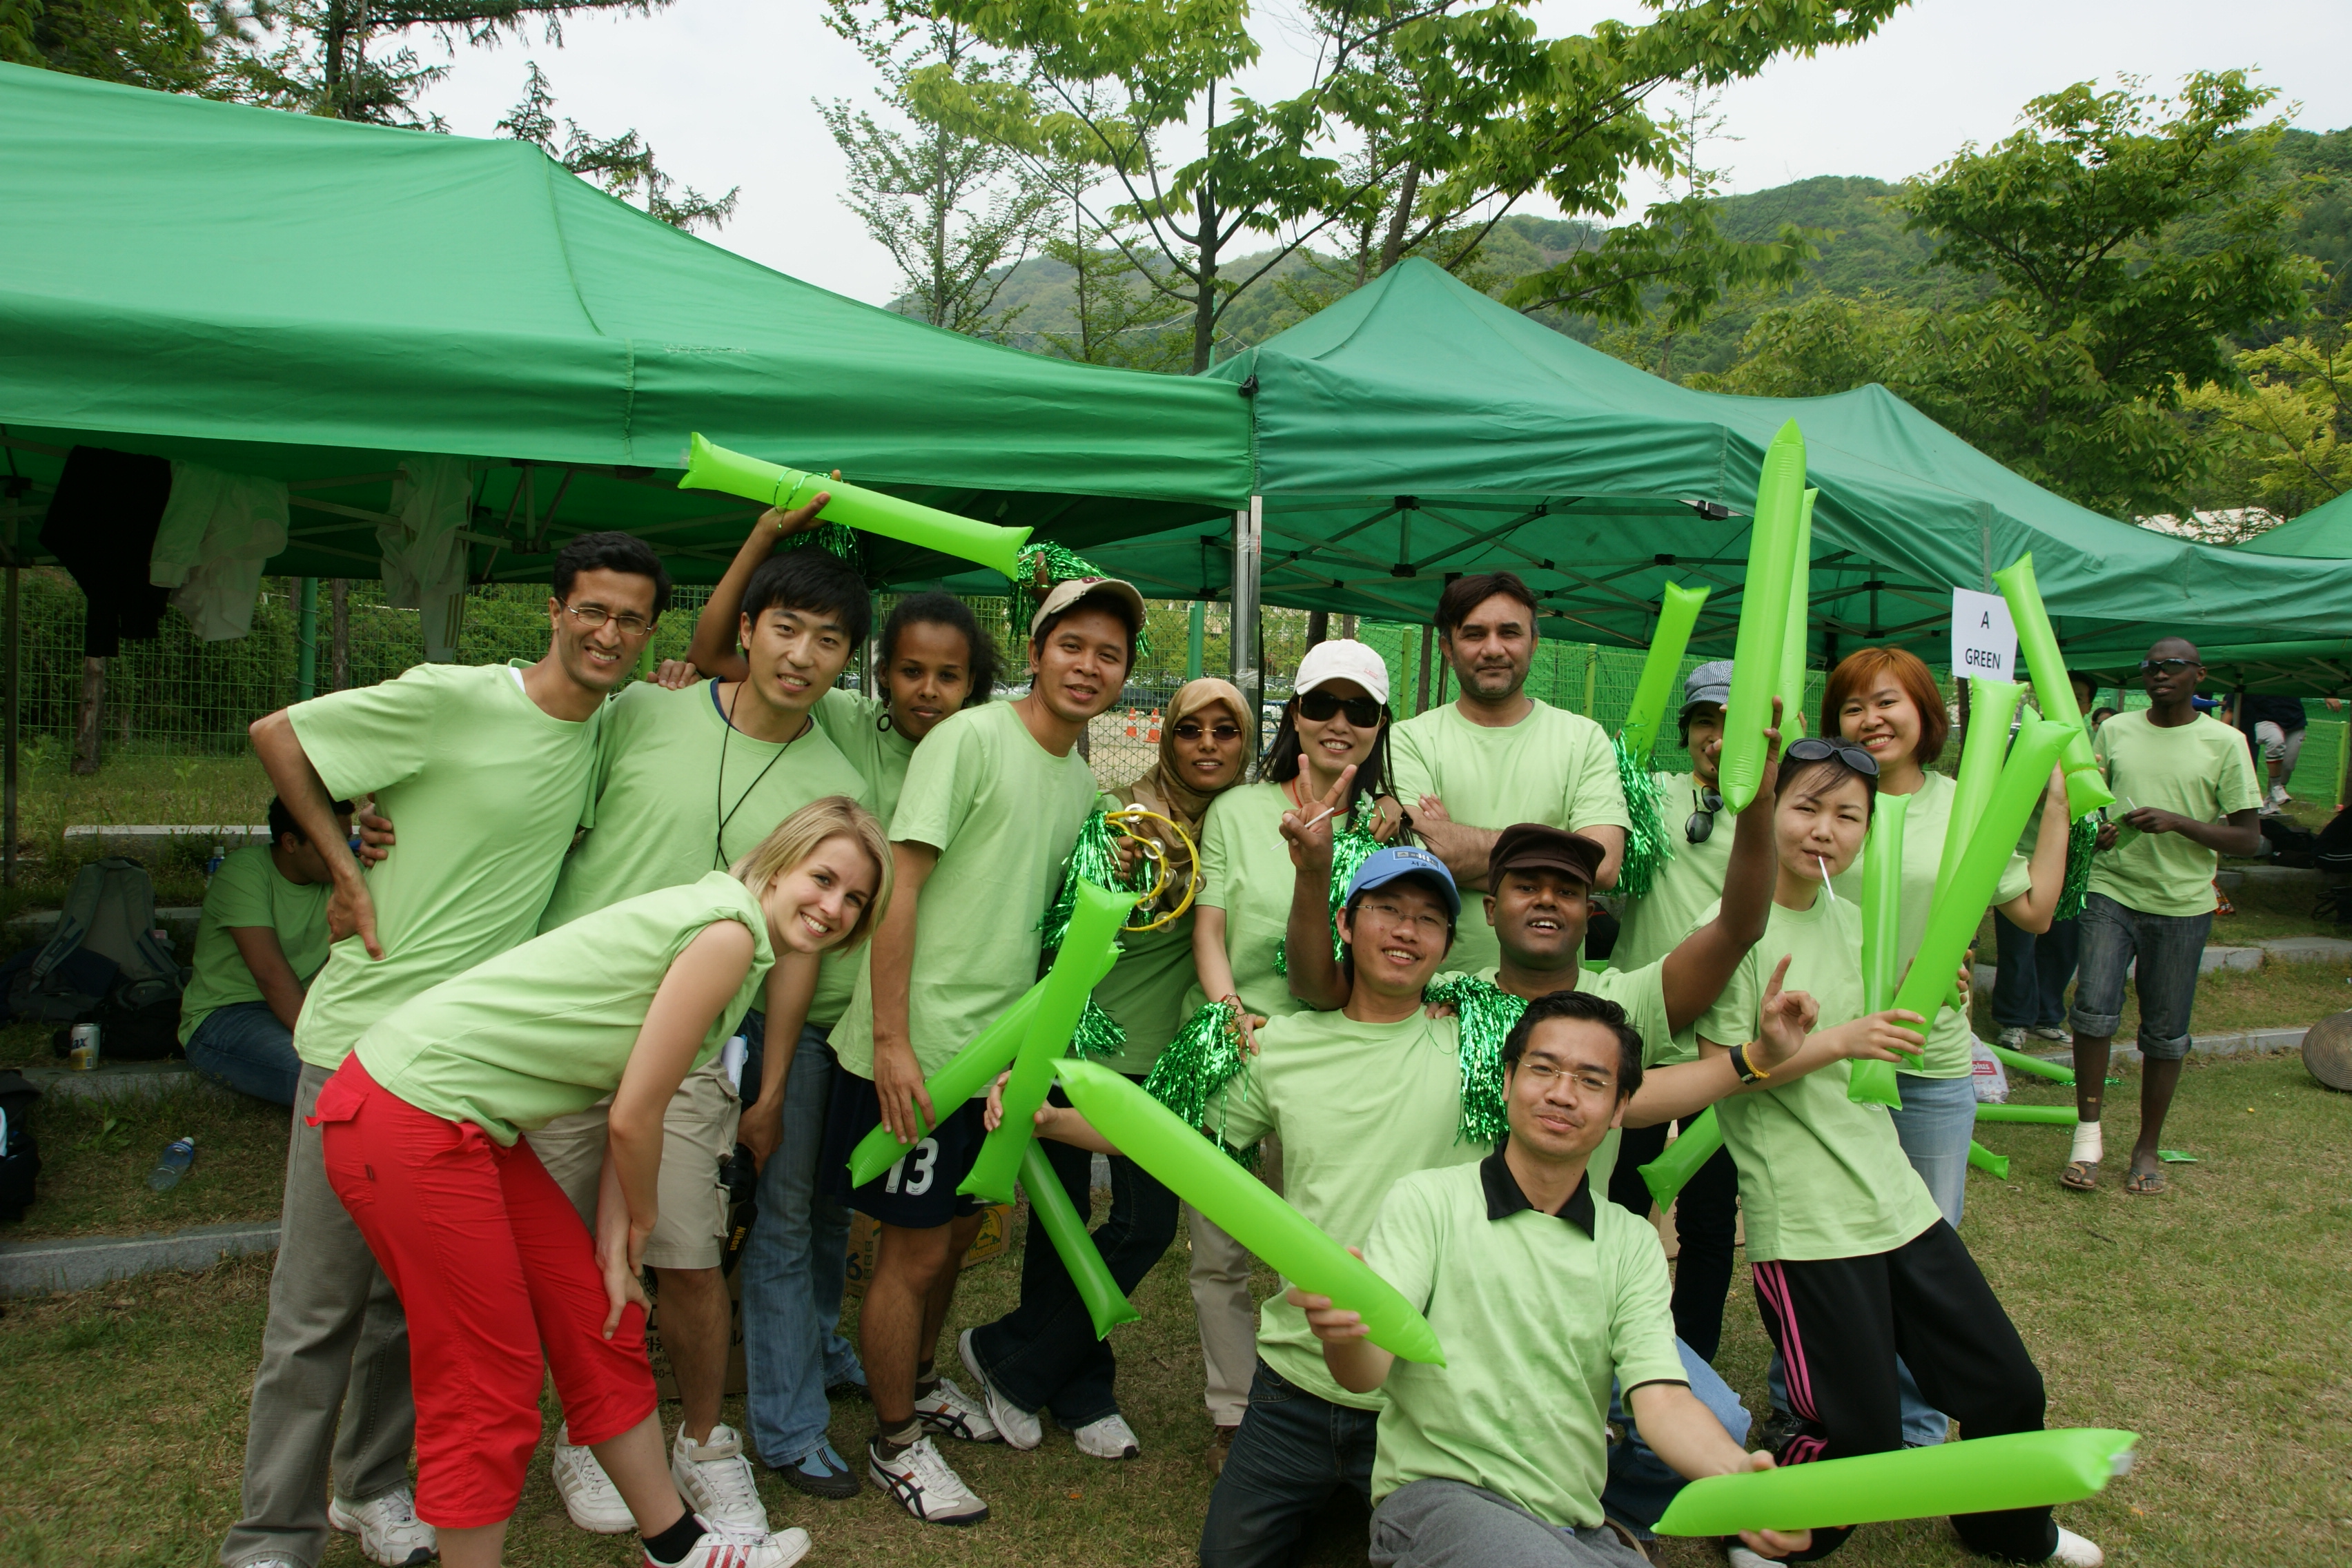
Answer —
1196 638
305 643
1249 546
1421 692
8 741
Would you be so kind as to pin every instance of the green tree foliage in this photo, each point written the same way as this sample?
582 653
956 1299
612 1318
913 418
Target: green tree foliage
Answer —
162 44
624 164
1425 122
2124 239
2282 443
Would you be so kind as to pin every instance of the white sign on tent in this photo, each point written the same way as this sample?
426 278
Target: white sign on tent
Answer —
1984 640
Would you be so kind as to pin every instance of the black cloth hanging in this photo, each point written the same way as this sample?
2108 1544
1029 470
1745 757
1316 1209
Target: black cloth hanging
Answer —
101 528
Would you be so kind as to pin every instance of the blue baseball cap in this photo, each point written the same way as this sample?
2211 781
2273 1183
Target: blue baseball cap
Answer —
1382 867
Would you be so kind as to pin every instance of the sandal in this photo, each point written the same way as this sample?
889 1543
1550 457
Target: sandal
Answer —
2079 1175
2145 1183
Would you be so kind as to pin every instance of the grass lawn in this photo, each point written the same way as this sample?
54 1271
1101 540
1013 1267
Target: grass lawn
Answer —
2207 1319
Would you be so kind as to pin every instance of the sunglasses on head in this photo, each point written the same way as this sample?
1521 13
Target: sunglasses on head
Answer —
1192 729
2166 666
1701 826
1316 706
1813 749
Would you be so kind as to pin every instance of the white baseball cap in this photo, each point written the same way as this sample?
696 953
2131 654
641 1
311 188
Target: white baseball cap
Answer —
1343 659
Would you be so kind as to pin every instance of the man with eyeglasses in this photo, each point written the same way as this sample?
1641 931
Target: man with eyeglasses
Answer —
2189 796
488 769
1543 1296
1494 756
690 781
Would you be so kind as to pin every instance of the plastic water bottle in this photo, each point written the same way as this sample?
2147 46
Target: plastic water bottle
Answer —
220 853
178 1155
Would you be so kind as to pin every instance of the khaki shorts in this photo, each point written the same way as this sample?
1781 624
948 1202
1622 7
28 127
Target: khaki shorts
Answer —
697 1134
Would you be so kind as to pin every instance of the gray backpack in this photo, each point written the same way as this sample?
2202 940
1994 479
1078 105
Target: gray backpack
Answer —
104 954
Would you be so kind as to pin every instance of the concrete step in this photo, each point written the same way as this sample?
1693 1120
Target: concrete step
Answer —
116 1080
2296 877
2307 950
140 840
76 1263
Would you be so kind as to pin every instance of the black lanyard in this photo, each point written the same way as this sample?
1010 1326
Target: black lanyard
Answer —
719 802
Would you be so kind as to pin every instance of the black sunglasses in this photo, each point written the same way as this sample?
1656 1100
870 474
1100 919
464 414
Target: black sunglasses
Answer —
1815 749
1363 712
1701 826
2164 666
1192 729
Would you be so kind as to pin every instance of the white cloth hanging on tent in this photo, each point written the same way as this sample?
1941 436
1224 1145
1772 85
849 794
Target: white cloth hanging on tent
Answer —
216 532
424 558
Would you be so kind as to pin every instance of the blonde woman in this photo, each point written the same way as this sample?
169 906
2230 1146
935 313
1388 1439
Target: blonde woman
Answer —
422 1144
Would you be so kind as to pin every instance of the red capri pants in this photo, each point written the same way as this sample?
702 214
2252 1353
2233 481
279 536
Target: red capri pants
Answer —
491 1263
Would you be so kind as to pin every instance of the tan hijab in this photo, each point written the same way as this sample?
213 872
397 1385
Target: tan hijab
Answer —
1164 789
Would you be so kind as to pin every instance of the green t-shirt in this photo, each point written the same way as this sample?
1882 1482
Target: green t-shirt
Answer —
1246 871
2201 770
852 723
485 789
1951 1043
1145 992
249 891
1553 766
1536 1313
1642 994
661 793
1357 1106
1003 812
1819 1176
1650 927
545 1029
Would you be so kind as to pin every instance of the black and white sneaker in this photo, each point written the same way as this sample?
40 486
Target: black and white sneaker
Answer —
925 1485
949 1410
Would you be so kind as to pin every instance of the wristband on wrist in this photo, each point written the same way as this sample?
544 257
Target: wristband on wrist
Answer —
1743 1062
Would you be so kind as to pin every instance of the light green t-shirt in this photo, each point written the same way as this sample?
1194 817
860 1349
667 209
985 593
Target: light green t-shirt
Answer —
485 789
1642 994
852 723
1246 871
2201 770
546 1029
1003 812
1357 1106
1553 766
249 891
1145 992
1650 927
1537 1316
1819 1176
1951 1043
660 795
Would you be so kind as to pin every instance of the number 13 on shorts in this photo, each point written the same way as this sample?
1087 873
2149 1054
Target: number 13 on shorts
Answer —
915 1182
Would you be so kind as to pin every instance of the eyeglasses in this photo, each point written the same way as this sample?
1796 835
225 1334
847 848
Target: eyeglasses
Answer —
1426 923
1192 729
1590 1082
1815 749
1316 706
592 616
1701 826
2166 666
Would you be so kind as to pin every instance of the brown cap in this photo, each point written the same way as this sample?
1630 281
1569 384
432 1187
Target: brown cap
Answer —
1070 590
1531 846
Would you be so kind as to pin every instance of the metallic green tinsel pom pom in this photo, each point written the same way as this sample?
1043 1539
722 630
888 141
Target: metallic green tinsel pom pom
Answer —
1647 845
2081 839
1199 1068
1484 1013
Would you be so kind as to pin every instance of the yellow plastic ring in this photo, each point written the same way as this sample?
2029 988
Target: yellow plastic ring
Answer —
1125 820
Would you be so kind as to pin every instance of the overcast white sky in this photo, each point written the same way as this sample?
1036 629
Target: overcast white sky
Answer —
722 89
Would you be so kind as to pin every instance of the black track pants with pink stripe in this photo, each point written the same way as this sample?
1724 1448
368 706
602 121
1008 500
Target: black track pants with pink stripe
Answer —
1841 1322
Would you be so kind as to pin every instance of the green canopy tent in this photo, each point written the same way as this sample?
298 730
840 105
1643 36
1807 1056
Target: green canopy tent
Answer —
312 301
1417 429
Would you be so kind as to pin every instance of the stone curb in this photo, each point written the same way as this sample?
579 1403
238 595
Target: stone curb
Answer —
78 1262
2248 1042
118 1081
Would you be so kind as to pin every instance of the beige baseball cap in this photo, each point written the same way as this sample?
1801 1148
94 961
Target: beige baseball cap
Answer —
1070 590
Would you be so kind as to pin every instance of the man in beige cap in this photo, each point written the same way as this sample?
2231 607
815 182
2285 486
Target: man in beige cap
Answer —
993 801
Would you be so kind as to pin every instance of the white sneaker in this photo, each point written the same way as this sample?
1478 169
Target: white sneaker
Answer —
925 1485
1018 1427
1108 1439
588 1493
2073 1551
715 1479
2012 1040
389 1531
1742 1558
950 1410
723 1548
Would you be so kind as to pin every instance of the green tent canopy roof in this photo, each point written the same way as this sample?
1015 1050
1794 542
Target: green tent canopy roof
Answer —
1418 429
2323 534
312 299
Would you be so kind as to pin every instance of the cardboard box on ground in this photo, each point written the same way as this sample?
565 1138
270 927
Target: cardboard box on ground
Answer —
995 1229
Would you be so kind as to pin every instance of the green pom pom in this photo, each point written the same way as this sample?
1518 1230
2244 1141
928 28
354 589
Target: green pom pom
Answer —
2082 838
1350 847
1198 1069
1647 846
1484 1015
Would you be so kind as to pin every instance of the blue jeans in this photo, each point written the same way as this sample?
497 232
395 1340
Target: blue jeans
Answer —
1640 1484
243 1046
2030 988
794 1264
1936 1123
1293 1450
1045 1352
2167 947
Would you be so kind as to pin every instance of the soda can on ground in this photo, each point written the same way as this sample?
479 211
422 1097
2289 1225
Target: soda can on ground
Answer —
82 1053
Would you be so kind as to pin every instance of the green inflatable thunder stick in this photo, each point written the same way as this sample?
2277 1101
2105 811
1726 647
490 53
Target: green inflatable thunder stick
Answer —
1871 1081
1671 1172
713 467
2086 790
1763 615
1677 613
